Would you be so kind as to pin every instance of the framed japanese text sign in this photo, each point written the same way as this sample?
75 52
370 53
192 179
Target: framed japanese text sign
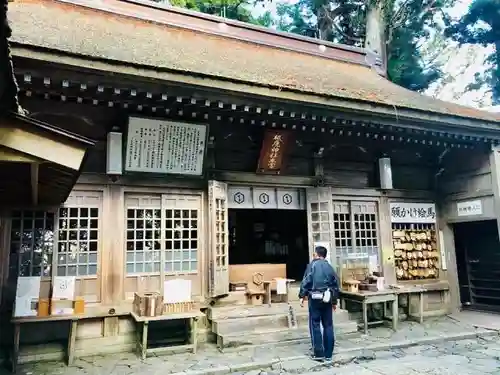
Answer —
158 146
404 212
273 151
470 208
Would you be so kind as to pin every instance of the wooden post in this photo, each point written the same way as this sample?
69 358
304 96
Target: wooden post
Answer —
387 250
4 257
34 183
112 256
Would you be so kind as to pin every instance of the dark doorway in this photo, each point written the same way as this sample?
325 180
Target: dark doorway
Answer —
269 236
478 263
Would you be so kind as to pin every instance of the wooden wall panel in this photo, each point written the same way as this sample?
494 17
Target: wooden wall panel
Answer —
465 173
410 177
95 161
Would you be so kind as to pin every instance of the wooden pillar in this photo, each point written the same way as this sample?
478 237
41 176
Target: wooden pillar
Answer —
4 256
495 181
387 250
112 254
451 273
204 256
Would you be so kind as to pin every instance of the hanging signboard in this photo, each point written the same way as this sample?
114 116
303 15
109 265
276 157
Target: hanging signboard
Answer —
470 208
266 198
240 197
273 151
417 213
158 146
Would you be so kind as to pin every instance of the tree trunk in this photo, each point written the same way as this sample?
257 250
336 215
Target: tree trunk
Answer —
496 76
375 40
8 84
324 24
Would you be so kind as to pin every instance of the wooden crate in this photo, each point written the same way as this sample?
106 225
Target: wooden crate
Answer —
148 304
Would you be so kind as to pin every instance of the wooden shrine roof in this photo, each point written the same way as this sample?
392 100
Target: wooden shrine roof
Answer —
161 39
31 143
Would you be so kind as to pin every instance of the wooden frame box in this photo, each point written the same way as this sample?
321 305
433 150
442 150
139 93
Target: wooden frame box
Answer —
148 304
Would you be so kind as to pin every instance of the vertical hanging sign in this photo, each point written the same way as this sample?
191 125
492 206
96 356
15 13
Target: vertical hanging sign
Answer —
273 151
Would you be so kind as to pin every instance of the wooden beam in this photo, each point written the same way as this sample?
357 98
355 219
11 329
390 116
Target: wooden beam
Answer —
42 147
12 156
384 112
35 167
253 179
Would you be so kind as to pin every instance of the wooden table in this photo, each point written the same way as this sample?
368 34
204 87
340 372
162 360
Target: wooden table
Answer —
73 324
419 291
366 298
142 335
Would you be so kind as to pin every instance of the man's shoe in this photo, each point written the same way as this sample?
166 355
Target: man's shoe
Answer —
317 359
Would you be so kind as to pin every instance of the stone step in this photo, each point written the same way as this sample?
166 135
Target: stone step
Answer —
278 337
245 311
243 325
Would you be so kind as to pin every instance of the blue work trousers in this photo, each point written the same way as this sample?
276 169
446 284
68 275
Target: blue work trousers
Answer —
321 314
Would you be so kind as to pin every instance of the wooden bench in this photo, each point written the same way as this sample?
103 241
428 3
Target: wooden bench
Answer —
73 325
142 334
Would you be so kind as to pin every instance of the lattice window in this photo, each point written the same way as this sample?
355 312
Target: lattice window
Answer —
143 241
181 240
366 228
320 222
221 244
77 242
162 234
355 233
342 229
32 240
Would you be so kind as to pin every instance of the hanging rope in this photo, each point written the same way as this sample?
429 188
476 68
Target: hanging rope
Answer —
8 84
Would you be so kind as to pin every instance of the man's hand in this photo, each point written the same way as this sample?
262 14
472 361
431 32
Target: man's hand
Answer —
334 307
301 302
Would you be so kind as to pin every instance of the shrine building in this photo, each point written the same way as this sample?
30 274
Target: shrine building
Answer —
222 153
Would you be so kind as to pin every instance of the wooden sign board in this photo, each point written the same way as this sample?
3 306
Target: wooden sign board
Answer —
159 146
273 151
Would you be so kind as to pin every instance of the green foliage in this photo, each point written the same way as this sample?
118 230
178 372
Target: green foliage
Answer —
343 21
481 26
233 9
407 23
406 30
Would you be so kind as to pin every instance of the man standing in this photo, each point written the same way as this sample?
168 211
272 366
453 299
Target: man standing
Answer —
320 286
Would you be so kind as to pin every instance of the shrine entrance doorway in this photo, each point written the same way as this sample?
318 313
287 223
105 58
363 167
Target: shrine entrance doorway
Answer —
477 249
269 237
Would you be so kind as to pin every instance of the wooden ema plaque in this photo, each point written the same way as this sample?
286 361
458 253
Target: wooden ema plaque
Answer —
273 151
